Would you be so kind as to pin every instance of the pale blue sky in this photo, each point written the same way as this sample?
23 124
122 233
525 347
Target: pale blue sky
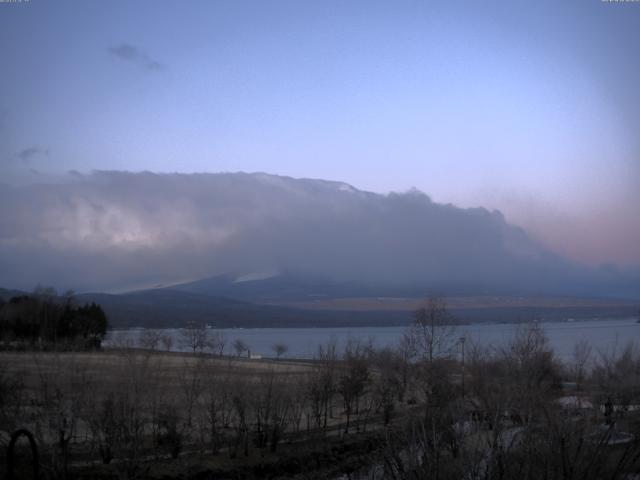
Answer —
532 107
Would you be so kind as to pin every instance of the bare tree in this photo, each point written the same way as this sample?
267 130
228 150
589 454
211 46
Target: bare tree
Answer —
61 396
191 385
240 346
194 336
405 353
354 378
617 372
122 339
270 404
433 333
217 342
533 374
150 339
101 419
216 405
136 388
322 383
581 358
280 349
298 391
240 419
167 342
169 432
388 381
13 400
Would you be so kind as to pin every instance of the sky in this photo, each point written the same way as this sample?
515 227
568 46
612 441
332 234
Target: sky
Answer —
531 108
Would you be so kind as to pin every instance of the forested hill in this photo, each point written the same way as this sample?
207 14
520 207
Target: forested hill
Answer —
168 308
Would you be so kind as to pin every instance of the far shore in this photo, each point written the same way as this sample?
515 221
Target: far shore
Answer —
324 327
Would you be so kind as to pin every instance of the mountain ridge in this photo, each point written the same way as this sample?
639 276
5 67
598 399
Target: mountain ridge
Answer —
164 308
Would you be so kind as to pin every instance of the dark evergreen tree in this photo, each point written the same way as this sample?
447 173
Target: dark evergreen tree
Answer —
44 320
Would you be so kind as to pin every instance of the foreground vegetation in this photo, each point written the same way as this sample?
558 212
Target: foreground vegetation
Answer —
433 407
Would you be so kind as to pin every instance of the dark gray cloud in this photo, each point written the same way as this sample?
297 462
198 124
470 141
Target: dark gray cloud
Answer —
115 229
29 153
132 54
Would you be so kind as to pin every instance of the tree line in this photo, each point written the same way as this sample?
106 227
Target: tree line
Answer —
46 320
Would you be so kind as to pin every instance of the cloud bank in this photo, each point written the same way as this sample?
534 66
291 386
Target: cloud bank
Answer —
112 230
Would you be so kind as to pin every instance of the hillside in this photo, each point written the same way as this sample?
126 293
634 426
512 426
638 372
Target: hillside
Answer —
170 308
160 308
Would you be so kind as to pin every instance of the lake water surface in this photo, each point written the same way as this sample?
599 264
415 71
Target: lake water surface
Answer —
603 335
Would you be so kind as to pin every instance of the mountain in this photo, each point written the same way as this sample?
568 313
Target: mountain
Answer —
279 288
157 308
171 308
288 288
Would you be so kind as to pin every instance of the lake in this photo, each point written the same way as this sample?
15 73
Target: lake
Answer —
603 335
